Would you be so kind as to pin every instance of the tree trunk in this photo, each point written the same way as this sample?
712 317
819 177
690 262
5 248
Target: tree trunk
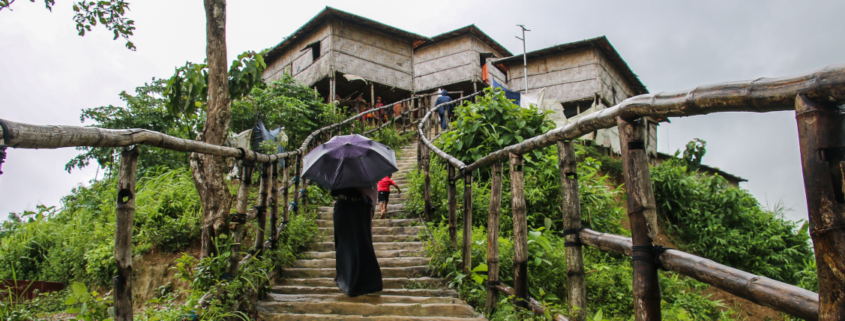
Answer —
453 206
571 205
820 128
520 233
493 237
208 170
125 216
467 241
643 216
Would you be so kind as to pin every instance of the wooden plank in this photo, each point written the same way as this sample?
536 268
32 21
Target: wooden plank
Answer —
520 232
493 236
643 215
820 128
571 205
124 220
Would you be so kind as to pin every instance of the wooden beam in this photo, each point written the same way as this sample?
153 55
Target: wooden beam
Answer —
643 216
467 240
285 188
493 236
453 207
426 169
261 210
296 176
820 128
124 220
757 289
571 205
239 219
520 233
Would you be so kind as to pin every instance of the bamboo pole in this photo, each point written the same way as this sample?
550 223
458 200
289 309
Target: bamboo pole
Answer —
820 128
453 207
124 218
297 173
467 241
285 188
239 219
274 207
520 232
571 205
426 170
493 237
261 209
760 290
643 217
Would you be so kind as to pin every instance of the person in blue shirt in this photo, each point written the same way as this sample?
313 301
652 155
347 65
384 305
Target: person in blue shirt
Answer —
445 110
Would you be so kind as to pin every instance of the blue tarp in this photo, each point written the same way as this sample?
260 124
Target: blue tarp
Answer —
511 95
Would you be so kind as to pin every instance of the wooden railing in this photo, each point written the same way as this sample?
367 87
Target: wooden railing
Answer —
814 97
21 135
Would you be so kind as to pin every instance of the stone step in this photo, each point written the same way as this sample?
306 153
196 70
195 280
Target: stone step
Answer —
392 253
425 283
381 230
378 246
318 317
390 207
333 289
386 272
382 262
375 298
369 309
381 238
377 222
388 214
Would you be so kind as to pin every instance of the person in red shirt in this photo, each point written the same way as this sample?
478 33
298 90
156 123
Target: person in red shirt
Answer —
384 193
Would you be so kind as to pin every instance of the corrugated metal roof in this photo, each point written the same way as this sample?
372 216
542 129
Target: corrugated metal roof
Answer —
473 29
599 42
345 16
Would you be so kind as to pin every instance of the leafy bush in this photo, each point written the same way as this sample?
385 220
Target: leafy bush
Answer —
708 217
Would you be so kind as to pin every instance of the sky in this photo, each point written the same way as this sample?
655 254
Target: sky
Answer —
48 74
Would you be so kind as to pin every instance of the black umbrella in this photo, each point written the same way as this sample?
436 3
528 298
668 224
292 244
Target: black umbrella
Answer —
349 161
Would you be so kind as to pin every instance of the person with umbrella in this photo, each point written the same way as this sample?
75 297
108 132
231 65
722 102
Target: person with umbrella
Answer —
350 166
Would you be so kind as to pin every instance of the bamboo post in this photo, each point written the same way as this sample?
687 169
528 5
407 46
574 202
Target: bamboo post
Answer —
124 220
493 237
239 219
520 233
297 172
820 128
453 205
285 188
261 209
467 241
274 207
642 215
426 169
577 290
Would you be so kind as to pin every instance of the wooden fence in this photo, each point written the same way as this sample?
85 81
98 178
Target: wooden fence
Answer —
816 99
21 135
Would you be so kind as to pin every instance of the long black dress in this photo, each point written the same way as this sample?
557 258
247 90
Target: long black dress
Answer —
358 272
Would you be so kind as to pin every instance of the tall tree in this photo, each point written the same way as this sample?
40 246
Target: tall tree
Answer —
208 169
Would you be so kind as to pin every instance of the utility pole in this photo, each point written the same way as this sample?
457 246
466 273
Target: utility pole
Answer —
524 57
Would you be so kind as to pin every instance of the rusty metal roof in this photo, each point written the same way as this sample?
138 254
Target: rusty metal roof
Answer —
599 42
345 16
473 29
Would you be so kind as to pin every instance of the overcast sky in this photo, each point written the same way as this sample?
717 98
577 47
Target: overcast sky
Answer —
48 73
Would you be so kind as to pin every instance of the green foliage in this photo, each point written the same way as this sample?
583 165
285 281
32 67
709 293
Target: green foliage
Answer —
89 306
708 217
392 137
77 241
145 110
284 103
693 153
490 124
187 89
110 14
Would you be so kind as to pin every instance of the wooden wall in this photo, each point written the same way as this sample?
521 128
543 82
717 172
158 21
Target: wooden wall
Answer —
450 61
372 55
566 77
299 63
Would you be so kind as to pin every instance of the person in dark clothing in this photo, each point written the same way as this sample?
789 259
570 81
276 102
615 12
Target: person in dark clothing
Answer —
445 110
358 272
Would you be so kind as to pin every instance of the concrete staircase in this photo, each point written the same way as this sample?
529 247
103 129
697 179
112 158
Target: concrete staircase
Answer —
307 290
